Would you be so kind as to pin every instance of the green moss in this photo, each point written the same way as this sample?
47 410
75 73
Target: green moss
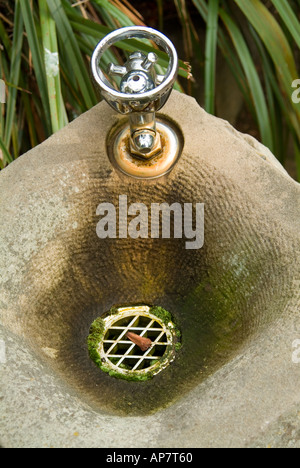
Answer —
162 314
166 318
130 377
96 335
113 311
178 346
97 327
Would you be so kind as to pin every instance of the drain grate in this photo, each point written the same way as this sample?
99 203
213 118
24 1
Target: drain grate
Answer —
134 343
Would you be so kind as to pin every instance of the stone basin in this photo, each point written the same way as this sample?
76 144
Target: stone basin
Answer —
234 382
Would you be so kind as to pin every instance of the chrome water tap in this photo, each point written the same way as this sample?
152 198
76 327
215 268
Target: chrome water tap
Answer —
142 92
139 76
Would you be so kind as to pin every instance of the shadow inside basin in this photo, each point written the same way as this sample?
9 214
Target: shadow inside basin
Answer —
218 295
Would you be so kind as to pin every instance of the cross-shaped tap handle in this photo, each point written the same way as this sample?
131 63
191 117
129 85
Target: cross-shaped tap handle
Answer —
141 91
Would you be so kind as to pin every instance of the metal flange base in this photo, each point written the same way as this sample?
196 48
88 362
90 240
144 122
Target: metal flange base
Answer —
119 151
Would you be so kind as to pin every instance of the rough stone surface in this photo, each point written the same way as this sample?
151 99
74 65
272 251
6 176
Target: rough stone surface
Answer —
236 300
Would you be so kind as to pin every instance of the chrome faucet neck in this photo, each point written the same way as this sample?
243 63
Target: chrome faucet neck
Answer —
141 91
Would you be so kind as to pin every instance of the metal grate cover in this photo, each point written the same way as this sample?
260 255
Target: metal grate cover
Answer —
135 343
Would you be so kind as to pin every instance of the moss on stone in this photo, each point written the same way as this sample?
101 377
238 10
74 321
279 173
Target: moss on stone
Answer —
178 346
166 318
96 335
162 314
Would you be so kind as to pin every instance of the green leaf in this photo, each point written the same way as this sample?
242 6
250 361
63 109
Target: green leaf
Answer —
15 65
289 18
276 43
51 59
115 12
37 57
201 6
5 153
4 38
98 31
211 55
257 92
229 55
68 41
160 11
29 120
281 112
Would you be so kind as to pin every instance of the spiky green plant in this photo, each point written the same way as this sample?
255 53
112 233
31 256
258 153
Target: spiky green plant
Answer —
270 31
46 46
45 50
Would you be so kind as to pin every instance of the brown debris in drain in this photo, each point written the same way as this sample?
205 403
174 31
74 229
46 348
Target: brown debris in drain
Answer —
141 342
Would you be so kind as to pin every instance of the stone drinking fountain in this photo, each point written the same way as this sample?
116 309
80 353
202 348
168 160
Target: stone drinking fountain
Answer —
231 304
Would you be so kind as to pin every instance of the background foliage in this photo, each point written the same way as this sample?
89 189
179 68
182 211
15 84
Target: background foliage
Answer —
46 47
